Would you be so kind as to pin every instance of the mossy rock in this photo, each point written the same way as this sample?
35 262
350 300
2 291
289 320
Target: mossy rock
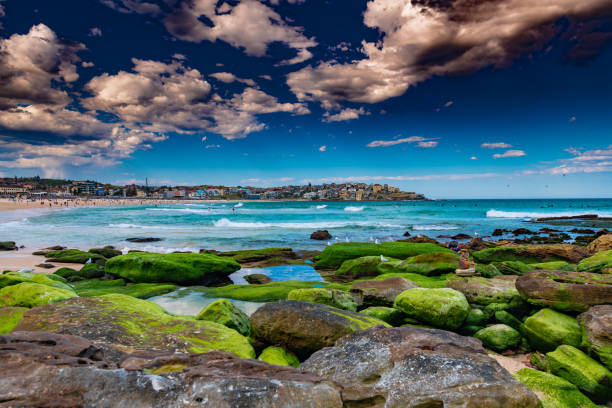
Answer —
266 292
107 252
508 319
279 356
88 271
554 392
333 256
179 268
430 264
33 294
513 267
469 329
596 326
483 291
96 287
224 312
390 315
476 317
9 317
421 280
531 254
444 308
598 263
331 297
588 375
487 271
122 325
7 246
361 267
548 329
14 278
555 266
74 256
499 337
263 257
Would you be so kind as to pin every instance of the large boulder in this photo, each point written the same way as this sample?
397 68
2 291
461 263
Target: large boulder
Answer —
333 256
224 312
483 291
97 287
320 235
532 254
304 327
601 262
331 297
179 268
553 391
108 252
8 246
261 258
379 292
33 294
48 370
499 337
14 278
122 324
361 267
444 308
603 243
432 264
565 291
412 367
74 256
548 329
596 325
581 370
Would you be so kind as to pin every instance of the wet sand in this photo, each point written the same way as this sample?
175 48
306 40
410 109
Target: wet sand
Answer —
17 260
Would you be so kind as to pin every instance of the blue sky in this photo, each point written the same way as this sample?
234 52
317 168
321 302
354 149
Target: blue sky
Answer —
460 99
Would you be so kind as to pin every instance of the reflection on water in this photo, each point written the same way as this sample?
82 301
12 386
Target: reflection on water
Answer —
279 273
186 301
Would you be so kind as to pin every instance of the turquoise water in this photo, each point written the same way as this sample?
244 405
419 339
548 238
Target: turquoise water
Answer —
276 224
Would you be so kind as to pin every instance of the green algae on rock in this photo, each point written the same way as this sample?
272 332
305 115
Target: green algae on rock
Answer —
499 337
508 319
108 252
331 297
263 257
361 267
588 375
9 317
513 267
599 263
14 278
554 392
122 324
475 317
7 246
555 265
548 329
596 325
429 264
179 268
265 292
483 291
333 256
279 356
487 271
390 315
531 254
444 308
29 294
420 280
74 256
224 312
96 287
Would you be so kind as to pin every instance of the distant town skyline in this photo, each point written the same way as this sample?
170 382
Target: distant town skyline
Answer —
511 100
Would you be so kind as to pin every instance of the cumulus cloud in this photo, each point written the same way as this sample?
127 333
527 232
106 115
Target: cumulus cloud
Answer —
510 153
95 32
228 77
589 161
497 145
323 148
249 25
421 39
386 143
344 114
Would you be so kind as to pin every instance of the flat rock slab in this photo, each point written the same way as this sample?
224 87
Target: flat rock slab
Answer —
380 292
412 367
205 380
483 291
565 291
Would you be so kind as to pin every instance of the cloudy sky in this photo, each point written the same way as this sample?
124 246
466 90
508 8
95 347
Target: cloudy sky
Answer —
451 98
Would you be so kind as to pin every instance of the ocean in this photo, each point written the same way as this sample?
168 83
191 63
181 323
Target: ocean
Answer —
230 226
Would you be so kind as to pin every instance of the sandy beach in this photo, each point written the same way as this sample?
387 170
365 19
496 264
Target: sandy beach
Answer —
17 260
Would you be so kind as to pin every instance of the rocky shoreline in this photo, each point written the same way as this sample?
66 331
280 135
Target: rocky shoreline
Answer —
392 325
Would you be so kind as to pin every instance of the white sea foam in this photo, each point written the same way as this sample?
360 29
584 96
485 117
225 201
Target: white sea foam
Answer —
238 205
354 209
434 227
225 223
320 207
492 213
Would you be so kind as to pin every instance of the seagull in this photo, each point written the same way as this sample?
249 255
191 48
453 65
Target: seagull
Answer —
337 239
347 240
371 239
26 270
328 243
383 259
88 261
377 241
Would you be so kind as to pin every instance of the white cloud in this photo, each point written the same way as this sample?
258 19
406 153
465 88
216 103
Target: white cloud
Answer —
497 145
86 64
448 104
212 146
228 77
473 158
344 114
323 148
589 161
510 153
572 119
385 143
573 151
249 25
427 145
95 32
427 177
423 39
